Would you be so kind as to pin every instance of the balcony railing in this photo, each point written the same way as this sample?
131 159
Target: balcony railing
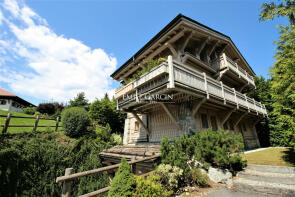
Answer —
186 77
225 62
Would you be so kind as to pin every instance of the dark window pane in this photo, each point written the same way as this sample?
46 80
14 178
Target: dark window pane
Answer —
204 121
213 123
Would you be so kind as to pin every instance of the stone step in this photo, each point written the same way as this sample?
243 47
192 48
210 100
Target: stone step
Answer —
272 169
283 180
267 174
272 189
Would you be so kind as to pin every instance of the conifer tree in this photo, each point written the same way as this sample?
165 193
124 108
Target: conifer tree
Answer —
283 74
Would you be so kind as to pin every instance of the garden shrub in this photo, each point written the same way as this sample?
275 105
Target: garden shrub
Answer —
170 176
217 148
124 182
198 177
150 188
29 110
46 108
75 121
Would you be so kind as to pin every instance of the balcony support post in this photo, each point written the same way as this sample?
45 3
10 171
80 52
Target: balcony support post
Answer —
227 116
206 84
141 123
171 72
222 89
255 107
236 100
170 114
198 105
241 118
247 102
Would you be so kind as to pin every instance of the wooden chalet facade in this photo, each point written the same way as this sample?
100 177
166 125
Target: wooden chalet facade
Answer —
204 76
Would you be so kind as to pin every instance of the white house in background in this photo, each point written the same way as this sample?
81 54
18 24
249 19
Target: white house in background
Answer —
11 102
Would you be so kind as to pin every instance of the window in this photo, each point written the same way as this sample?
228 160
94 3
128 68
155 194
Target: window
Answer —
204 121
136 128
2 102
213 123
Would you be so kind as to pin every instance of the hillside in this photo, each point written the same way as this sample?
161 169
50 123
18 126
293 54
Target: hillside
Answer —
24 121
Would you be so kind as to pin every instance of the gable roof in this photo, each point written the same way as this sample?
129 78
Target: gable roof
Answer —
5 93
170 25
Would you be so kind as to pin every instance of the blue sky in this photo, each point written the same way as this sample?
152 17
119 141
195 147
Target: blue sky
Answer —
50 50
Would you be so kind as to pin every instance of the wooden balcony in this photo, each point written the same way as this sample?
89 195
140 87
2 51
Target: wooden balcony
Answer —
173 76
226 65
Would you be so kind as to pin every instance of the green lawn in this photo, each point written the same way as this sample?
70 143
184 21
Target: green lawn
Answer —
272 156
24 121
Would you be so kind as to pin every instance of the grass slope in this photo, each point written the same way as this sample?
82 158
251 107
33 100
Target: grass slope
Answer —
272 156
24 121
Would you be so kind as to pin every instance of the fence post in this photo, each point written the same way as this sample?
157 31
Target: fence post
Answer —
67 185
36 124
57 121
6 125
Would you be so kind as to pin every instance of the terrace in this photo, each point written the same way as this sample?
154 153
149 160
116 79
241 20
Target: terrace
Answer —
174 77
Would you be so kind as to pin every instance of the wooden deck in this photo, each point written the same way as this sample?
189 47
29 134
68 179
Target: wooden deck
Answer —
182 78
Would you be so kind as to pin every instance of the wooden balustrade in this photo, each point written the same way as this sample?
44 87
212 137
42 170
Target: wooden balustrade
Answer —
194 79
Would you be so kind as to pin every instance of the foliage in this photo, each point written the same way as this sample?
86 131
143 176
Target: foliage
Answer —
198 177
284 8
80 101
178 152
148 66
29 110
75 121
169 176
116 138
46 108
282 75
262 94
29 163
104 112
219 149
150 188
124 182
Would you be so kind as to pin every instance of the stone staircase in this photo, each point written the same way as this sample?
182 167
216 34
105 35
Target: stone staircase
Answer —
266 180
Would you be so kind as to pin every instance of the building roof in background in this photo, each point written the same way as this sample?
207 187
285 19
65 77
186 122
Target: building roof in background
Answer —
6 94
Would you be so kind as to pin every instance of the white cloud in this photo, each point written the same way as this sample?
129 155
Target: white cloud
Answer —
1 18
56 67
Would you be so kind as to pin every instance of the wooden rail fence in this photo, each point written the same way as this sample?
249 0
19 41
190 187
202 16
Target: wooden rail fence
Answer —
68 177
35 126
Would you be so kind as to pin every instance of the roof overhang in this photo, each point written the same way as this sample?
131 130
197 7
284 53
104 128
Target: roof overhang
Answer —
179 21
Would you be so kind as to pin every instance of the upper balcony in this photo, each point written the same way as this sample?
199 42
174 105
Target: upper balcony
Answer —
227 67
174 77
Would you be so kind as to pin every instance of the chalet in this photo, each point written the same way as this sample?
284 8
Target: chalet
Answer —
11 102
203 80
